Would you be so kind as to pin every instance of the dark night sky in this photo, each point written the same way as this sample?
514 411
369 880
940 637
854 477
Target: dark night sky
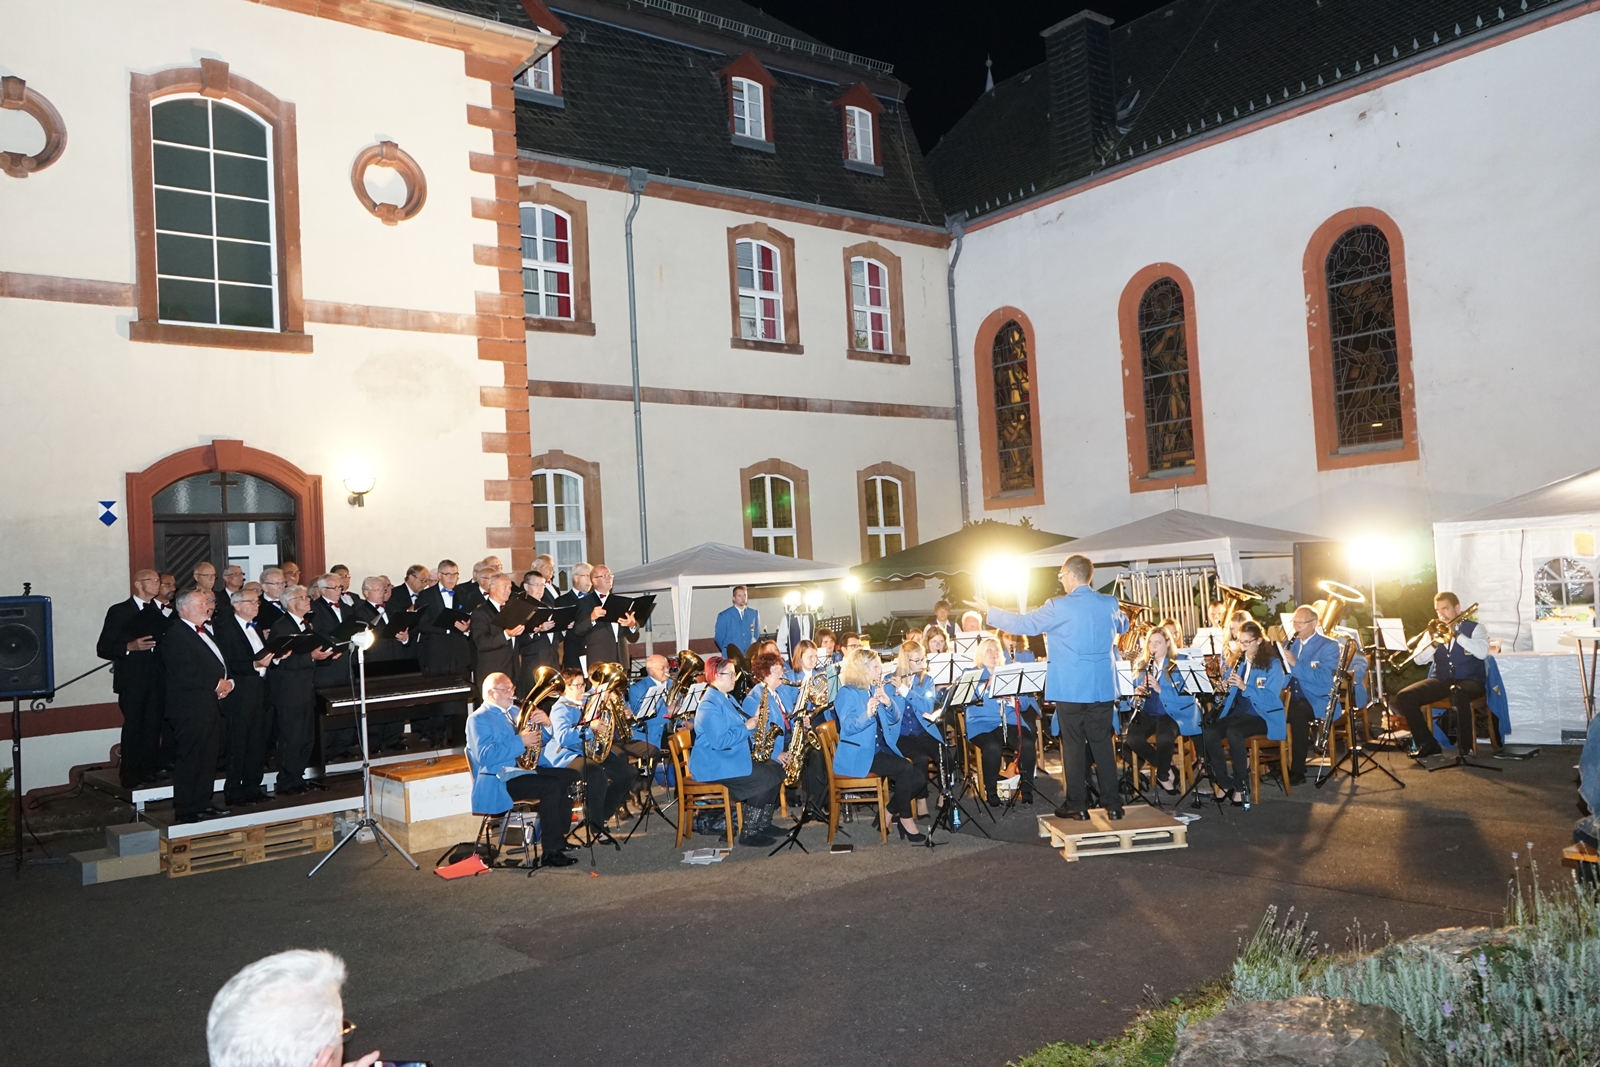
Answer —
938 46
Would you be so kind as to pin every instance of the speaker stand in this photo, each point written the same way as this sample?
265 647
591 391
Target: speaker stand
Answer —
17 824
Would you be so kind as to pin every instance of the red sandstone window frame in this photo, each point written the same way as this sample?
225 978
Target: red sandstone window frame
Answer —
1140 478
982 365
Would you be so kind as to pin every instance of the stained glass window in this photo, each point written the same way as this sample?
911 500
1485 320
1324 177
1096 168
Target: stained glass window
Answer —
1366 367
1013 415
1164 361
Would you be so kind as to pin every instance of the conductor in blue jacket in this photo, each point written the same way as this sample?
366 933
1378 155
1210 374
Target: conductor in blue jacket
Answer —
739 624
1254 706
493 747
1312 659
1080 680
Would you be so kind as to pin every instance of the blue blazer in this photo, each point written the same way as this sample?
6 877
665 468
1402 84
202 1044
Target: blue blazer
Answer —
791 693
858 732
1171 698
984 715
1264 697
731 630
493 746
1494 696
721 742
651 729
921 699
1315 661
1079 628
777 713
566 736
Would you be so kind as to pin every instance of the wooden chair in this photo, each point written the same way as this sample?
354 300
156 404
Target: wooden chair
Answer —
492 826
1480 713
1183 757
841 791
695 797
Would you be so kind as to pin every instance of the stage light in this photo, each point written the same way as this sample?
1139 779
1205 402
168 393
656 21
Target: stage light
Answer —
364 640
1375 554
813 599
852 586
791 600
359 481
1001 574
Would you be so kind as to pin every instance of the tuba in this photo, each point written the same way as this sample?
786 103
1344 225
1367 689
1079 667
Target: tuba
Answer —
1128 643
690 668
546 684
767 732
606 712
1332 610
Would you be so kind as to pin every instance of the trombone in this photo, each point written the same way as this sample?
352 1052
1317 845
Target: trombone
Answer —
1437 632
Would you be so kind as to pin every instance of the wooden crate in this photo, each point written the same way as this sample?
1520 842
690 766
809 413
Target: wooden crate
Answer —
1142 829
246 845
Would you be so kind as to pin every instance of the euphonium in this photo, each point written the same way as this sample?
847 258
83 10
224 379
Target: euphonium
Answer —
814 694
765 737
690 668
606 712
546 683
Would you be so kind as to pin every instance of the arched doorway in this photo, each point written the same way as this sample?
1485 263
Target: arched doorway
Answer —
225 503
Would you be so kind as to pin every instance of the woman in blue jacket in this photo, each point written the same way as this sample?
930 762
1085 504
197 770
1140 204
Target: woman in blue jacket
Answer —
869 736
995 722
1254 706
1167 712
914 696
721 753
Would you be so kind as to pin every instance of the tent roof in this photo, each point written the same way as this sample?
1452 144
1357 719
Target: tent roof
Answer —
716 564
1170 533
1575 495
962 552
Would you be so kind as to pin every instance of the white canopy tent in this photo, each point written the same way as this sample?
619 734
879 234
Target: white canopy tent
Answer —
713 564
1178 535
1495 555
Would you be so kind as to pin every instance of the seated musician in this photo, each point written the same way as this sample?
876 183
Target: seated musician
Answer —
767 668
1017 650
915 696
608 782
1168 710
937 641
994 722
1254 706
655 674
1457 672
971 622
721 754
1312 658
493 748
809 676
827 647
869 738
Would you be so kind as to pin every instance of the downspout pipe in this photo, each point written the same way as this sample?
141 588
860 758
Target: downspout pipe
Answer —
638 178
957 226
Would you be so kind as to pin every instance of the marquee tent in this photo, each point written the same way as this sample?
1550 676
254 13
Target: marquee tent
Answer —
713 564
962 552
1178 535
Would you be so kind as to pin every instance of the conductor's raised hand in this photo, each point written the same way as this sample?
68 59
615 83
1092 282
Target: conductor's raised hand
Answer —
978 603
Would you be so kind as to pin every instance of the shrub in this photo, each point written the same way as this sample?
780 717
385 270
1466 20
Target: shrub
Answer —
1147 1042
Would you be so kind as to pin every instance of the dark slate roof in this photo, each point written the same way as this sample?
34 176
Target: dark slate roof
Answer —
634 99
1192 66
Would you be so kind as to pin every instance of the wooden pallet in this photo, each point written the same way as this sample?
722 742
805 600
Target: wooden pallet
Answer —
1142 829
250 844
1580 855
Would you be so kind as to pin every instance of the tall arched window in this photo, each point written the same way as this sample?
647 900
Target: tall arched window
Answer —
886 525
558 520
772 527
1164 365
1013 411
869 305
546 262
760 291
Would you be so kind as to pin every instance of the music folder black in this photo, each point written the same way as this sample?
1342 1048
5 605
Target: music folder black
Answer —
346 630
617 606
563 614
447 618
397 624
516 613
149 623
307 641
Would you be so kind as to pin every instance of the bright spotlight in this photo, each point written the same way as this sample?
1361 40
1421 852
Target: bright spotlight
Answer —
1002 574
791 600
852 586
1374 554
364 640
813 599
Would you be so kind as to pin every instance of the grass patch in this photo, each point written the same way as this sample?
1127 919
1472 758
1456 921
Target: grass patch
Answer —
1147 1042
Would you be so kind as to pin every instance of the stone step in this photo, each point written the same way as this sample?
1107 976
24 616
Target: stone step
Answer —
102 865
133 838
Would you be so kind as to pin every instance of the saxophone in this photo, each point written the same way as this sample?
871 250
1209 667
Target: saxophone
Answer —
805 742
767 732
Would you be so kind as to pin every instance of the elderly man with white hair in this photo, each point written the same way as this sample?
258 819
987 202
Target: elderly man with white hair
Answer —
282 1011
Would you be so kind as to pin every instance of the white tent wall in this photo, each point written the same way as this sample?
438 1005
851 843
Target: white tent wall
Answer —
1493 564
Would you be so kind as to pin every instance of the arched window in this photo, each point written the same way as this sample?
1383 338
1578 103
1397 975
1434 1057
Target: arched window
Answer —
546 262
748 109
216 262
858 135
771 515
1013 411
760 292
558 520
541 74
886 527
869 303
1164 366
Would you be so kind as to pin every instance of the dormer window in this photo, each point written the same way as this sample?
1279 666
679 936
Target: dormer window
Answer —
748 110
541 77
858 135
860 115
749 87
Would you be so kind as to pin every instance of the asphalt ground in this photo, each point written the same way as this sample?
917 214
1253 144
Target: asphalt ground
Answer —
974 952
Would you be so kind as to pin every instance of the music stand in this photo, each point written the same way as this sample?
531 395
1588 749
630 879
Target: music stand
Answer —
1198 685
1127 784
1017 680
1586 674
650 708
943 718
1356 752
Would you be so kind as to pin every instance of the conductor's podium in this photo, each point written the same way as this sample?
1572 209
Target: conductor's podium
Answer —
1141 829
426 804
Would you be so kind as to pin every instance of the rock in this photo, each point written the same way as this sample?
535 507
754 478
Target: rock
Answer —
1299 1032
1453 948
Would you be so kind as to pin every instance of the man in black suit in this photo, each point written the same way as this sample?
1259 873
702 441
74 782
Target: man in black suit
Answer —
538 647
398 649
603 642
444 648
273 583
244 716
205 580
292 692
128 640
404 597
495 646
328 613
197 680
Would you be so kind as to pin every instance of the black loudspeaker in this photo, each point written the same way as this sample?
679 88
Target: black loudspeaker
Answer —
27 655
1318 561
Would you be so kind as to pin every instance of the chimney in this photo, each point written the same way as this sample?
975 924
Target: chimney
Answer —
1083 92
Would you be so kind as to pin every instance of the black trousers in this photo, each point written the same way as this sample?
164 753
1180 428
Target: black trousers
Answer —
141 729
757 789
1461 694
296 728
923 751
194 772
606 784
907 782
1300 715
1165 729
989 746
244 725
552 788
1236 727
1089 724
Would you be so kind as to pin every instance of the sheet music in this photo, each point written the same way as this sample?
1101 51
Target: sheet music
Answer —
651 705
966 686
964 644
1126 683
1195 678
1209 641
691 702
1391 633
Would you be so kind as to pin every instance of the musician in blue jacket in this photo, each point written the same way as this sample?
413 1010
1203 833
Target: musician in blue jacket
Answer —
493 748
607 782
721 754
1457 671
768 667
1167 710
1254 706
1080 681
994 723
655 674
915 696
1312 658
739 624
869 735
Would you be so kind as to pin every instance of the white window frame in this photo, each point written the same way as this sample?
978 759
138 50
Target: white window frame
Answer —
753 324
765 538
878 535
749 109
858 135
541 74
543 269
272 215
550 540
868 301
